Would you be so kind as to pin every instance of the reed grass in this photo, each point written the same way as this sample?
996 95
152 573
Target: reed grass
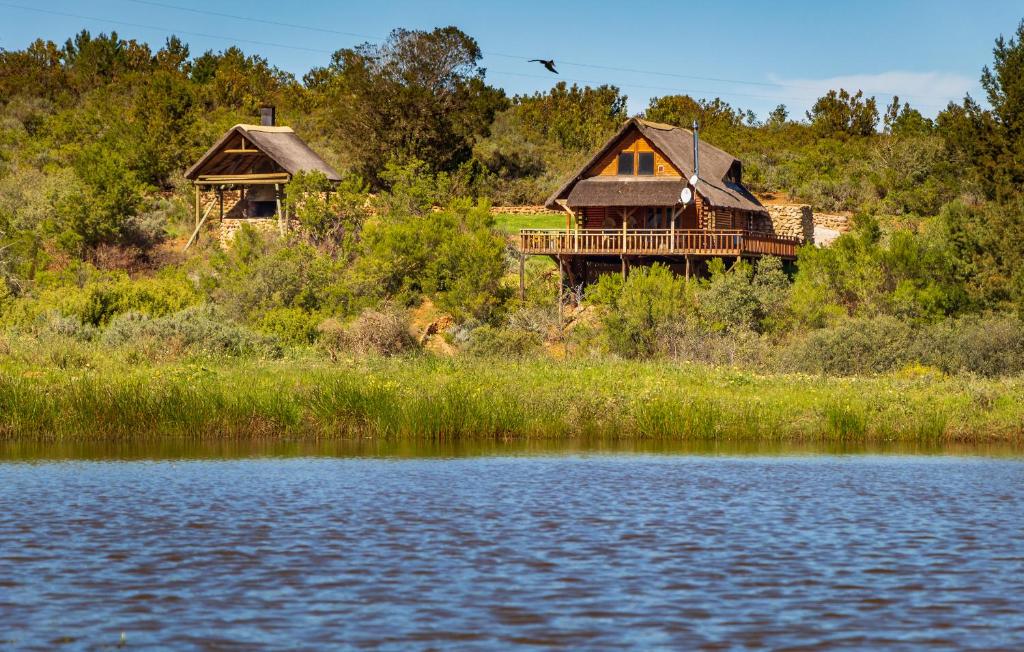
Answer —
453 399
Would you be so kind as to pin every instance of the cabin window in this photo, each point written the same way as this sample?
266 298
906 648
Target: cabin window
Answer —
645 163
262 208
625 163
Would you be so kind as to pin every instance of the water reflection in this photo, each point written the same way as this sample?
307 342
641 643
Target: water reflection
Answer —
170 448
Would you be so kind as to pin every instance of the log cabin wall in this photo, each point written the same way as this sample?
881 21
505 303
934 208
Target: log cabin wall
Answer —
608 166
594 217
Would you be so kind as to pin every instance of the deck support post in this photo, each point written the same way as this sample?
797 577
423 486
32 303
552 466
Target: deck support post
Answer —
561 281
522 277
625 267
220 199
687 267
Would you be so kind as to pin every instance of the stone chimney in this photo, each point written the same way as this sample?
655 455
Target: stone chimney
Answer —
268 116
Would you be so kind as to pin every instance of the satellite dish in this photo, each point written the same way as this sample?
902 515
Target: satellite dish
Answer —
685 196
694 180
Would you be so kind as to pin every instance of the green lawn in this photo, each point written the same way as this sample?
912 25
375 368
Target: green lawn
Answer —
510 223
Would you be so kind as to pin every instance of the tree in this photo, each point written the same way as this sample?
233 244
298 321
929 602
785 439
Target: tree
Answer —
97 209
330 217
543 137
840 113
778 116
717 119
640 310
419 94
453 256
905 121
36 70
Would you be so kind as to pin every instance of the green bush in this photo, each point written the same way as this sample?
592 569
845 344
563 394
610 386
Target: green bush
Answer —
196 330
638 311
293 325
487 341
95 299
852 347
992 345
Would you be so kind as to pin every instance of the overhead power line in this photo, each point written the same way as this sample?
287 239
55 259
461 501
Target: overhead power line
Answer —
518 57
165 30
626 85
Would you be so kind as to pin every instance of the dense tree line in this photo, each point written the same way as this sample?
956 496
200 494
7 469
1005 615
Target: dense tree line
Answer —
95 134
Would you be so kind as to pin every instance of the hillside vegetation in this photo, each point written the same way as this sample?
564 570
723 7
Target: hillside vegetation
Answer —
93 210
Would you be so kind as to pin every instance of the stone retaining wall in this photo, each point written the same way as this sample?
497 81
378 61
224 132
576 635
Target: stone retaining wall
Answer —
792 219
524 210
839 223
230 226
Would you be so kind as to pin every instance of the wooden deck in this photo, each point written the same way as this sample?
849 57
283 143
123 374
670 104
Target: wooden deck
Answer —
656 242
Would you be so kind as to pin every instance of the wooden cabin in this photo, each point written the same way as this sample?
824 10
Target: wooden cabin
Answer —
655 193
243 177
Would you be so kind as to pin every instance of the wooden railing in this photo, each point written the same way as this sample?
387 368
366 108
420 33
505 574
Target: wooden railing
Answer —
656 242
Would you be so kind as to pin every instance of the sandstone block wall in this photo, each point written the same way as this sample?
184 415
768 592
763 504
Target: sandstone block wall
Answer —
839 223
523 210
230 226
792 219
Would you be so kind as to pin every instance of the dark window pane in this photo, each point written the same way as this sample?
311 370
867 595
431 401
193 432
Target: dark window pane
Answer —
645 163
626 163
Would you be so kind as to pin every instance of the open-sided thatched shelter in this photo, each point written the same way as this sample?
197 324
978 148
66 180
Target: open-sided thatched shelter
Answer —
244 174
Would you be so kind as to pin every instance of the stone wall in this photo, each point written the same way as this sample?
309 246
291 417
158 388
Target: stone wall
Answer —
792 219
524 210
230 226
839 223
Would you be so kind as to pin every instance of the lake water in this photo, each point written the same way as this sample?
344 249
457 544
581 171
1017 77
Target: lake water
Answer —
595 550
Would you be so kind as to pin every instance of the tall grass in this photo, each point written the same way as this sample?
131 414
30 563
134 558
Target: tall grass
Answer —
443 399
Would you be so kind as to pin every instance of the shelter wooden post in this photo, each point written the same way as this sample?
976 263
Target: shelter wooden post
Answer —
280 214
522 277
220 199
625 267
198 217
687 267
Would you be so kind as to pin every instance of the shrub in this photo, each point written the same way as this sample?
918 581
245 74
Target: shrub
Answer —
195 330
487 341
639 310
384 331
992 345
854 346
292 325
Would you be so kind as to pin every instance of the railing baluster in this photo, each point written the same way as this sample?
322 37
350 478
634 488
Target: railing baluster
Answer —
645 241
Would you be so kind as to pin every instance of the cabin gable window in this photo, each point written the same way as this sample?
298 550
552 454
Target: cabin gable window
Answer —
625 163
645 164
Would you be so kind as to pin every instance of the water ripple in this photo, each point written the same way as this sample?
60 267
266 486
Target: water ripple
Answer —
583 552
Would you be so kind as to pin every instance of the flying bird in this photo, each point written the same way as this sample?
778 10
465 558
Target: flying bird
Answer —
548 63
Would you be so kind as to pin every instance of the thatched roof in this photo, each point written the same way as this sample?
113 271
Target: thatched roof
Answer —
676 144
280 144
626 191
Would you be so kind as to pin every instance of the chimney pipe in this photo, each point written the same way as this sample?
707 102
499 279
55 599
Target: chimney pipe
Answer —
268 116
696 153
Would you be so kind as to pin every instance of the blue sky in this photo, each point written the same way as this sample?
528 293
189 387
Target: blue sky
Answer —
753 55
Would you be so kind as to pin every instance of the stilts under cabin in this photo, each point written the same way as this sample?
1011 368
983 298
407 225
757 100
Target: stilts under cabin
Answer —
242 179
655 193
